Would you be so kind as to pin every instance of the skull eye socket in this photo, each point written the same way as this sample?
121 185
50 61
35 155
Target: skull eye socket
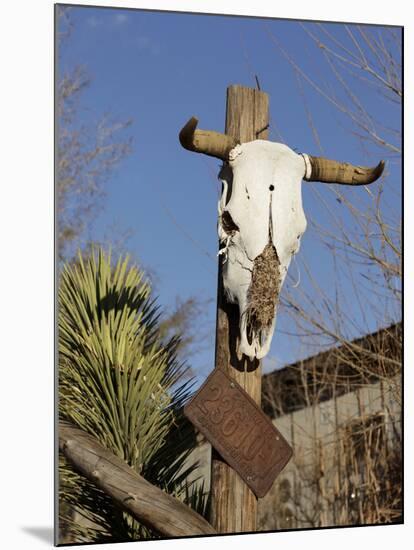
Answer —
228 223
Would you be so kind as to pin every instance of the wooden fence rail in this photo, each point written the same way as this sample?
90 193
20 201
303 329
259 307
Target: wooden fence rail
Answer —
155 509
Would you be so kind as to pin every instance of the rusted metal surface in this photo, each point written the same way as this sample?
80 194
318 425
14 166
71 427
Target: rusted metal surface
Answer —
239 430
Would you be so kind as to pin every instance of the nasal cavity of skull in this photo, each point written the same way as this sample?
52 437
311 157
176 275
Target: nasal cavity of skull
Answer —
227 223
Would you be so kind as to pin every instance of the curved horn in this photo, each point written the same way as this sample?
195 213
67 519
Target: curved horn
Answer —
332 171
206 141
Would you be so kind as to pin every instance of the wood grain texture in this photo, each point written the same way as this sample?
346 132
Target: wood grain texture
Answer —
233 504
146 503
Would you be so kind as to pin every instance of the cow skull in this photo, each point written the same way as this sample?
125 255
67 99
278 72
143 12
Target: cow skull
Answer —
261 221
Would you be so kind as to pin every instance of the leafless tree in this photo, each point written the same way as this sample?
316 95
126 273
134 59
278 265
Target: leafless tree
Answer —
89 148
357 70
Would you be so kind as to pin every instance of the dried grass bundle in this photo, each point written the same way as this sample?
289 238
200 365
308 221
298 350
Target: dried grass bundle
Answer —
263 293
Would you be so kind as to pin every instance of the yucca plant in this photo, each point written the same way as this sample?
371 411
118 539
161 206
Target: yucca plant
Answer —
121 384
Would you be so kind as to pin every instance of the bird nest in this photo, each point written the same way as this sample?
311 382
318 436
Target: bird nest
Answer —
263 292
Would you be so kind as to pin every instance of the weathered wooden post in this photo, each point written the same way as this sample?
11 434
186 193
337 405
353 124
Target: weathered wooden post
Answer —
233 503
248 450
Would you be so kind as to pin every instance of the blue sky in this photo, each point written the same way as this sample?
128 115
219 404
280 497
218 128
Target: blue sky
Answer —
162 68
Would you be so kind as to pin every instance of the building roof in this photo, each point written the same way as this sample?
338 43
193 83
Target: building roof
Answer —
341 369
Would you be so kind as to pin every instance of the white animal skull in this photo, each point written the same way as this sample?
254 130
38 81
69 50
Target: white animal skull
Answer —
261 221
260 205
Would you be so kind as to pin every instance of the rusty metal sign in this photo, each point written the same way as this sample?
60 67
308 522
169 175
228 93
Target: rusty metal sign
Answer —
239 430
